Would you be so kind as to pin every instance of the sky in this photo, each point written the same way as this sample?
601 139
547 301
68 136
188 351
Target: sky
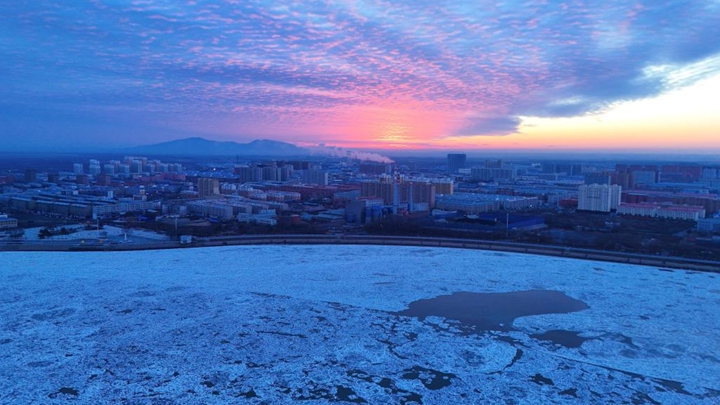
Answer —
365 74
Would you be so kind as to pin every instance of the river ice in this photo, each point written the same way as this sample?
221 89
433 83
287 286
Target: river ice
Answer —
279 324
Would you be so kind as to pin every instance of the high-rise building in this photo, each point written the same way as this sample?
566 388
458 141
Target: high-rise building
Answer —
455 162
136 166
208 187
316 177
78 168
597 197
380 189
444 187
285 172
30 176
643 178
481 174
507 173
598 178
270 173
710 173
496 174
103 179
82 179
375 168
409 192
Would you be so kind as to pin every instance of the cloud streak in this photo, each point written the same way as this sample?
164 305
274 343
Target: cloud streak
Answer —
363 70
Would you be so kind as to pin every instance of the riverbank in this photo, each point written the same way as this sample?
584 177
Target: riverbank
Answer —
545 250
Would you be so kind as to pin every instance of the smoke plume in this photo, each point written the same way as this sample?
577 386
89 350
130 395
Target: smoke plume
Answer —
337 151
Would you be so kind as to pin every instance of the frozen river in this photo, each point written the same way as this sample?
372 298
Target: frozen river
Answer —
357 324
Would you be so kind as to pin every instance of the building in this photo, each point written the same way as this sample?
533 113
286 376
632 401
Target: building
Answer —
124 169
681 212
481 174
472 203
710 202
78 168
270 173
469 203
30 176
710 225
375 168
83 179
638 209
492 174
94 167
71 205
136 166
709 173
282 196
103 179
500 174
208 187
400 191
599 198
210 208
364 210
494 164
320 177
7 222
662 211
455 162
643 178
443 186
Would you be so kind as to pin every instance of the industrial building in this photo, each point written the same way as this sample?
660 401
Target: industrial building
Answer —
473 203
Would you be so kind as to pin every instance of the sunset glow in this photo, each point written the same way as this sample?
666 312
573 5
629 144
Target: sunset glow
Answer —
368 74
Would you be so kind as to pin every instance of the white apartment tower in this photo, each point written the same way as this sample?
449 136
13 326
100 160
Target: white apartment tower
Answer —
601 198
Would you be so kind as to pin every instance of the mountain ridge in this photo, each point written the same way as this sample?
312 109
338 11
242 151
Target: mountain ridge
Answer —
195 146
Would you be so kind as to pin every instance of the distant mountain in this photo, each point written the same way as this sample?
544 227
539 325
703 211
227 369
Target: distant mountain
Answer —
202 146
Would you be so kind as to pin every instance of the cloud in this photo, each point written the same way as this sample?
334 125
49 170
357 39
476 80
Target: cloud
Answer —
490 126
299 67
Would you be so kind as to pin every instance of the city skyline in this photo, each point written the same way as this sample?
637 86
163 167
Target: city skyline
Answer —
368 75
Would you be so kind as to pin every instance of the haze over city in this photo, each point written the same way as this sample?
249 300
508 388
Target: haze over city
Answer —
369 75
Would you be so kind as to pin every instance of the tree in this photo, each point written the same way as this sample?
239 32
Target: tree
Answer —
44 233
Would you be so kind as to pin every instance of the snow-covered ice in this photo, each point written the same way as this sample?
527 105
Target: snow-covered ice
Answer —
279 324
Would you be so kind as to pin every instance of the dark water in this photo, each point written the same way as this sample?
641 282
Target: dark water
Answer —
567 338
493 311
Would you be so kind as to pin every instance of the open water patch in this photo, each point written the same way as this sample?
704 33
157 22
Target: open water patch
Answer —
567 338
493 311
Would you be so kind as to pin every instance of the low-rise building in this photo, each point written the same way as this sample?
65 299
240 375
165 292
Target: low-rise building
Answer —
693 213
7 222
643 210
681 212
710 225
